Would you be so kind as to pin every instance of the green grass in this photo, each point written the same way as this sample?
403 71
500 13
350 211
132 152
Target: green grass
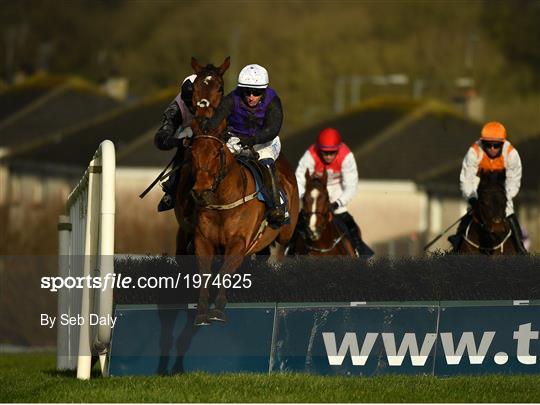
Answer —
32 378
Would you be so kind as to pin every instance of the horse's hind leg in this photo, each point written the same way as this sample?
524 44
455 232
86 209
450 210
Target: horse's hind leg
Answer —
232 260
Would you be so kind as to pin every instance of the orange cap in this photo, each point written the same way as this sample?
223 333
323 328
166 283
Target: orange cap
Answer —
493 131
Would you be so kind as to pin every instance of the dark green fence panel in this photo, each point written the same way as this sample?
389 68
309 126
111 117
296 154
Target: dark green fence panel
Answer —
331 339
163 340
500 327
308 339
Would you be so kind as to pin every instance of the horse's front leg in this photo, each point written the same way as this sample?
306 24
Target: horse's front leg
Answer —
205 251
234 255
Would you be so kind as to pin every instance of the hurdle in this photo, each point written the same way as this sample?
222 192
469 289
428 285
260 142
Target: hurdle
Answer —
86 248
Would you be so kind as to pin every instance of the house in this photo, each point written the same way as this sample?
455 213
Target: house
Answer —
37 175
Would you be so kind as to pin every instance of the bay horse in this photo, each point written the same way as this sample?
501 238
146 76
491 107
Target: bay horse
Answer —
489 232
230 220
321 237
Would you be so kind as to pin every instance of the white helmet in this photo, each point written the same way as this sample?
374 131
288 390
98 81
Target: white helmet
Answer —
254 76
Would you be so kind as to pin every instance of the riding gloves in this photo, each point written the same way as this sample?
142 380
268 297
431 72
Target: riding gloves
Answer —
248 141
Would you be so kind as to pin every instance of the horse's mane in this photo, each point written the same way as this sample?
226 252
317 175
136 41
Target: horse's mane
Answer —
492 188
492 182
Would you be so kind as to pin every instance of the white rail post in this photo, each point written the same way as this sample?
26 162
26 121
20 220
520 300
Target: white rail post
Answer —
65 356
87 249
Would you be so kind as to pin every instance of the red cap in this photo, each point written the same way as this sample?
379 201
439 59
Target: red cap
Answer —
329 139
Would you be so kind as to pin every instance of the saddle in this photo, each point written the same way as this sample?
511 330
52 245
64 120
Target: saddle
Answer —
263 184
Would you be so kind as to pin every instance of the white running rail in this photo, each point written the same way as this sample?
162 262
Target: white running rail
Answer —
86 248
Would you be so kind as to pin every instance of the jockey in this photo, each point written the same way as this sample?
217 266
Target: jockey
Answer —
254 114
491 153
332 154
174 130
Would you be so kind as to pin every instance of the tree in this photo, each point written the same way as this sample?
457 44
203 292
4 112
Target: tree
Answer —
515 29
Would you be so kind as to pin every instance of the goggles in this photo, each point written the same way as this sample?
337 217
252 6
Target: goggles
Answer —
247 91
328 152
491 144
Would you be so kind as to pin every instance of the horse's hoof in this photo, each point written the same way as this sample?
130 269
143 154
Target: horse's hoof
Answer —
217 315
202 320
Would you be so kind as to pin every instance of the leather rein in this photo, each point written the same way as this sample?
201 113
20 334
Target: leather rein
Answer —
327 219
223 172
483 226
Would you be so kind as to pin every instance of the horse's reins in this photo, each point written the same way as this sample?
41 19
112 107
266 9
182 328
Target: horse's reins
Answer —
477 246
222 169
325 250
327 215
244 199
221 175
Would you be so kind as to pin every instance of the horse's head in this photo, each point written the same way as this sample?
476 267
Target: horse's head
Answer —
491 210
208 89
316 204
209 153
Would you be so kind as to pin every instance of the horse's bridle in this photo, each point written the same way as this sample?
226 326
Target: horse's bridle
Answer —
490 249
222 167
203 104
486 229
327 219
325 215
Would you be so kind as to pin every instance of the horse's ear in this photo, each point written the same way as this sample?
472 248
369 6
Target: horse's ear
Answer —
225 65
324 177
197 67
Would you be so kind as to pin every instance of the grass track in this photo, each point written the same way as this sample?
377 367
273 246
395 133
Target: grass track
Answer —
32 378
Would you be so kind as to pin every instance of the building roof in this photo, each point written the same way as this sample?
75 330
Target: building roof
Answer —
123 125
44 105
395 139
357 126
432 135
143 153
16 97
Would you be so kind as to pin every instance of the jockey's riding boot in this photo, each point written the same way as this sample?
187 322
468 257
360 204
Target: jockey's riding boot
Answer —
275 214
169 187
517 233
455 240
360 247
